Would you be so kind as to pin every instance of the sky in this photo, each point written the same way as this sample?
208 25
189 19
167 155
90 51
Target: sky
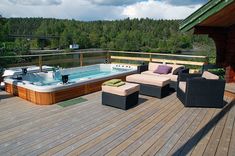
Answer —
90 10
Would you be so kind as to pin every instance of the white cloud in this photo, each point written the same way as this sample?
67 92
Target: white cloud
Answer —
115 2
88 10
68 9
84 10
158 10
185 2
36 2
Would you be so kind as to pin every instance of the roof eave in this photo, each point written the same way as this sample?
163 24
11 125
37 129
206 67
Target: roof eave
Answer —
203 13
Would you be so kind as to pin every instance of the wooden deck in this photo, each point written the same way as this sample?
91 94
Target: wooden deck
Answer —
154 127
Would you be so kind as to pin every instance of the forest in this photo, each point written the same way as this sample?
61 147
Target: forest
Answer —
146 35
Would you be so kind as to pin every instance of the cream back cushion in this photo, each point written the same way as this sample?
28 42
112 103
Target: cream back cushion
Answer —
175 67
153 66
209 75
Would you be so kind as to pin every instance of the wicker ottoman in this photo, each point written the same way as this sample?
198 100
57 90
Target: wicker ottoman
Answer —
151 85
123 97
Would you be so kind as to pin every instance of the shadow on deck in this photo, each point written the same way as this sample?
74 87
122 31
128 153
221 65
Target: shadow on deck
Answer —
3 95
194 140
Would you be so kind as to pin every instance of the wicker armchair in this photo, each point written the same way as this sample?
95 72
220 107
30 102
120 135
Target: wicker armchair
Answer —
195 91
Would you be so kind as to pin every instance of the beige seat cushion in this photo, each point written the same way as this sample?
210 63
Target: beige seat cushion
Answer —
209 75
169 76
124 90
148 72
182 86
148 79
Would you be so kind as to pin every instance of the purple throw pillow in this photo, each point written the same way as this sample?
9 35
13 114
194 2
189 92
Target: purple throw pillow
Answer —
163 69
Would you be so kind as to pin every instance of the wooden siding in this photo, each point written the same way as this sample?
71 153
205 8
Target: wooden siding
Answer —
224 39
154 127
230 55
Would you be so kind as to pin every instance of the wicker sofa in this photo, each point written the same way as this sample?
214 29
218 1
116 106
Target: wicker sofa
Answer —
173 76
200 90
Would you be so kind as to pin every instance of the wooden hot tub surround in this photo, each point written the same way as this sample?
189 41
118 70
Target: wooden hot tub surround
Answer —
49 98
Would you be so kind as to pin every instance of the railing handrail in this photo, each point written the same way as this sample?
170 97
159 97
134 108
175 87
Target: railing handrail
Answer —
104 51
53 54
159 54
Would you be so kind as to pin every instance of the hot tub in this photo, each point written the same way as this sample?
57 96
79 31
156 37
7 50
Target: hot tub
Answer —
47 88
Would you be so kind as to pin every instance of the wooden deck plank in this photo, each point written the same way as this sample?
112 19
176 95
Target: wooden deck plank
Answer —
34 109
62 138
188 133
54 125
122 138
14 127
144 147
182 135
107 124
231 149
30 115
141 129
29 128
216 136
39 119
198 142
223 147
137 119
155 127
145 137
52 139
178 126
21 107
28 144
232 143
40 110
176 150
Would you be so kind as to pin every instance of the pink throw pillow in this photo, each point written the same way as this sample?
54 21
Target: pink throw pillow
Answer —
163 69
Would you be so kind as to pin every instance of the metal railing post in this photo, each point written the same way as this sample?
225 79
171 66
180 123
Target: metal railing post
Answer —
108 57
206 60
40 63
81 59
150 58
